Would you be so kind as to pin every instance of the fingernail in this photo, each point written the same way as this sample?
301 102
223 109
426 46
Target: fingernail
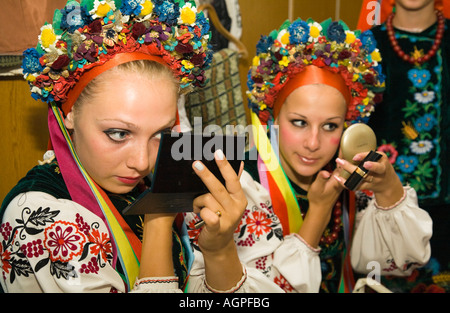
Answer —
340 161
337 178
219 154
357 158
199 166
367 165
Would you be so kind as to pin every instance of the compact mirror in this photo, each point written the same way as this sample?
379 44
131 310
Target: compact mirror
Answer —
356 138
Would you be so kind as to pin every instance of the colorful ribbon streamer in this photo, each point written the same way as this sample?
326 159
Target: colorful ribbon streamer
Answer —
126 245
283 197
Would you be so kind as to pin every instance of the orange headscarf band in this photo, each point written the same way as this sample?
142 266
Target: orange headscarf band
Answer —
88 76
309 76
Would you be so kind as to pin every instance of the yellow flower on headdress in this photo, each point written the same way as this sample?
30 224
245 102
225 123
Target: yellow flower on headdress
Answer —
255 61
284 61
314 31
187 64
31 78
376 56
147 8
47 38
283 37
350 37
188 14
102 7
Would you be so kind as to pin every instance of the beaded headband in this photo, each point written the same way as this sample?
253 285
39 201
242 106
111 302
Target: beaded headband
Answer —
91 33
350 57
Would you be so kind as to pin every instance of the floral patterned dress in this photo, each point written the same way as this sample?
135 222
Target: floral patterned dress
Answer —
49 243
413 127
398 240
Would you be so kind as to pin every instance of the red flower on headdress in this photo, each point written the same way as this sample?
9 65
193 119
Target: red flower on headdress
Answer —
184 48
95 27
61 62
198 59
138 30
264 115
61 87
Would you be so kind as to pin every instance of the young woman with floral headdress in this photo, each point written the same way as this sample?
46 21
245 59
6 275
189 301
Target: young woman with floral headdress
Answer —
111 72
311 81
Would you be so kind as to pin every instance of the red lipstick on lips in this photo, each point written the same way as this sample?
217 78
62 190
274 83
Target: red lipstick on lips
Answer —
129 180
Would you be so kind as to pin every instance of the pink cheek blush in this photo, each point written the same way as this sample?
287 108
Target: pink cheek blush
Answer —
335 141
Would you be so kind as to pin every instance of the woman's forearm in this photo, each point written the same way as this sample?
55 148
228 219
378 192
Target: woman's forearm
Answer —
156 254
223 269
313 227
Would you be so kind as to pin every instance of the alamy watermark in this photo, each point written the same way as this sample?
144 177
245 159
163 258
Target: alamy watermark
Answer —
374 16
251 136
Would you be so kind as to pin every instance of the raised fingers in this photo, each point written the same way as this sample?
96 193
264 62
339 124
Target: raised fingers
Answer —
220 192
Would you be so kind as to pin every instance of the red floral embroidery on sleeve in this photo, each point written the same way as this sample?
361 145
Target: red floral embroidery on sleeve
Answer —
64 241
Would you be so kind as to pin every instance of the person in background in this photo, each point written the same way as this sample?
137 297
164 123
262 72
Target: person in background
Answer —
412 122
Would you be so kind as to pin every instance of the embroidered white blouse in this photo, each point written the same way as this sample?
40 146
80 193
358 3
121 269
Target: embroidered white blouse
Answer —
56 245
397 238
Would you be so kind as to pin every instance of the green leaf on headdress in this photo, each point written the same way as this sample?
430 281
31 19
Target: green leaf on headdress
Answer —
39 49
88 4
325 25
181 3
357 33
344 26
118 4
57 22
273 34
285 25
310 20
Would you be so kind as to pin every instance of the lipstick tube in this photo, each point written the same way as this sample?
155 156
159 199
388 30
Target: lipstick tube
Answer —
360 172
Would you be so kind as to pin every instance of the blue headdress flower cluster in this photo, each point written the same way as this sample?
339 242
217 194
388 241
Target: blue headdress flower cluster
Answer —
285 52
89 33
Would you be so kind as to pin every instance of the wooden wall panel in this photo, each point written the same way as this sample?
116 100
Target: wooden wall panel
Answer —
24 135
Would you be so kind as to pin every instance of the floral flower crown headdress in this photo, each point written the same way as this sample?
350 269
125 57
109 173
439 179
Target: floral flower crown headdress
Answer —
88 34
287 52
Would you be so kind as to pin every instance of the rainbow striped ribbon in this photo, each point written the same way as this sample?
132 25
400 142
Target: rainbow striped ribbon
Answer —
125 252
275 180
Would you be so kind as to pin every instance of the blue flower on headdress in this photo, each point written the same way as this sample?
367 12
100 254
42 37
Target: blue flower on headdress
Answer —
74 16
131 7
30 62
203 23
368 41
299 32
264 43
167 11
336 32
379 69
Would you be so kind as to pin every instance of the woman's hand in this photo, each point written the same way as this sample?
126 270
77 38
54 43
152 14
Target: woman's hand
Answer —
322 195
221 210
381 178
